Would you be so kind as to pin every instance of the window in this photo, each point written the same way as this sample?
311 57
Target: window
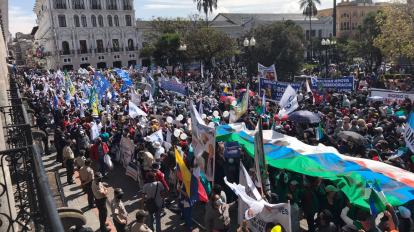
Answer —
100 21
93 19
116 21
127 4
320 33
76 20
99 46
78 4
131 45
115 45
62 21
84 22
111 5
60 4
83 48
128 20
110 21
65 48
96 5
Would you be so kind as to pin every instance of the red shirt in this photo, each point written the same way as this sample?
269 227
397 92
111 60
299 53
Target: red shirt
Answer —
94 151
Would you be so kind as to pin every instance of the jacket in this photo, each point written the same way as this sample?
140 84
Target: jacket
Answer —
94 151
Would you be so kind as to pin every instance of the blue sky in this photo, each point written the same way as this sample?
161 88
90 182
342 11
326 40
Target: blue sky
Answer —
22 18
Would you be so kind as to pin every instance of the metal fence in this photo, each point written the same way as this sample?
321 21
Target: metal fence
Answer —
31 206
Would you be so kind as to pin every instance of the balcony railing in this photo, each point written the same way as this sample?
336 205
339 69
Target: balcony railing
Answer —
27 203
127 7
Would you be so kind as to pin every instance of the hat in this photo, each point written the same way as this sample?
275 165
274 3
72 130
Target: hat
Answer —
404 212
331 188
379 129
156 144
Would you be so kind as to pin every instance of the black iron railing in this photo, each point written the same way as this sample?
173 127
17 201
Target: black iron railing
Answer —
31 206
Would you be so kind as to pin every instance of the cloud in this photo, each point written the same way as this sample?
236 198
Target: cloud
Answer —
21 20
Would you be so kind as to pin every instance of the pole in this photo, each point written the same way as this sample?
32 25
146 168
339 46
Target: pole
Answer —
326 61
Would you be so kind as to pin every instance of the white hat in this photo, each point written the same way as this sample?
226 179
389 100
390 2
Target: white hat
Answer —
156 144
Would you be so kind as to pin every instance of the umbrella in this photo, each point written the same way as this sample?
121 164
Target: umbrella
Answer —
353 137
251 93
304 116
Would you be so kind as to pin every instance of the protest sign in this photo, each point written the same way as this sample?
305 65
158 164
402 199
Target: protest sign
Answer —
343 84
409 132
174 86
390 96
274 90
267 72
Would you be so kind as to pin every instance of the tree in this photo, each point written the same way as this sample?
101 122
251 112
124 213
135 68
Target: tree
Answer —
206 6
205 43
309 10
165 49
280 43
396 39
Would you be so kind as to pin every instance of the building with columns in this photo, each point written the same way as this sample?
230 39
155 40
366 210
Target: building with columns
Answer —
78 33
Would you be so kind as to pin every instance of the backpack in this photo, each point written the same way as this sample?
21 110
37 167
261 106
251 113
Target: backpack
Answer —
151 204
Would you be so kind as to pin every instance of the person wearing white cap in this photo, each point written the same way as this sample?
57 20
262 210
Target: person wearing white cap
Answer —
159 150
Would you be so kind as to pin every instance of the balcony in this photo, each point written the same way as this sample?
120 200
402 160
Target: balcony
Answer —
130 49
127 7
60 5
99 50
96 7
112 7
82 51
68 52
116 49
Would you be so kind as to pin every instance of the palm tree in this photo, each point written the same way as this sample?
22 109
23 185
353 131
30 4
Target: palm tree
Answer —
309 10
206 6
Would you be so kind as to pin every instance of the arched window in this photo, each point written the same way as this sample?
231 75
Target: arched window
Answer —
100 21
76 20
130 44
110 21
65 48
128 20
84 22
93 19
116 20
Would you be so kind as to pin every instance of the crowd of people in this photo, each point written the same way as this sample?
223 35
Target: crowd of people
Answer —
91 135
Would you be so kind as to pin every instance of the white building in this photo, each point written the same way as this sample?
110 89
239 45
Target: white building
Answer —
238 25
79 33
4 19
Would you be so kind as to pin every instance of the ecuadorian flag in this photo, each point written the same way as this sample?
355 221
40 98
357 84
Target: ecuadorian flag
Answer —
192 183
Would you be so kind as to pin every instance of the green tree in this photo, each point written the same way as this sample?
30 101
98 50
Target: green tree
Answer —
280 43
205 43
396 39
206 6
165 49
309 10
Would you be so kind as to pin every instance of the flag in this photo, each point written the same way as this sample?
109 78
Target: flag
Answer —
101 84
409 132
259 158
200 108
309 91
319 132
156 137
135 98
241 108
289 101
127 82
134 110
376 198
192 184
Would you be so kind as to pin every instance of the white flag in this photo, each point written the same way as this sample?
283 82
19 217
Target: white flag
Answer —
156 137
135 111
135 98
289 101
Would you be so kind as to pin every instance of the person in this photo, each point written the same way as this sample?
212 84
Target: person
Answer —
119 214
217 217
159 175
59 142
100 193
153 190
243 227
186 207
98 151
217 189
86 177
139 225
68 158
325 222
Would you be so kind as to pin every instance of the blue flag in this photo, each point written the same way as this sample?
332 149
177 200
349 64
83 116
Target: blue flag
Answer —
101 84
125 78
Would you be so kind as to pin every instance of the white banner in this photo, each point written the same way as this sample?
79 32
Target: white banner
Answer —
289 101
270 215
391 96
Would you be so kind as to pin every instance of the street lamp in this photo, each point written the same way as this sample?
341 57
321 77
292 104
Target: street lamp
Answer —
327 43
249 45
182 48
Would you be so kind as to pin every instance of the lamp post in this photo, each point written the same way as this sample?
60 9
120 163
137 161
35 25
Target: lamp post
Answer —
182 49
327 43
249 45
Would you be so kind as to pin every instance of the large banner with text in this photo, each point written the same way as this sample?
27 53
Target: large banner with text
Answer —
275 89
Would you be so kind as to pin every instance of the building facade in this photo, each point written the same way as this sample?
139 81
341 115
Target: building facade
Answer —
21 48
238 25
4 19
78 33
350 15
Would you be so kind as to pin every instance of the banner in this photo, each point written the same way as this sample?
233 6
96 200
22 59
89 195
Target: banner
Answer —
203 142
289 101
268 73
343 84
259 213
174 87
409 132
390 96
275 89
